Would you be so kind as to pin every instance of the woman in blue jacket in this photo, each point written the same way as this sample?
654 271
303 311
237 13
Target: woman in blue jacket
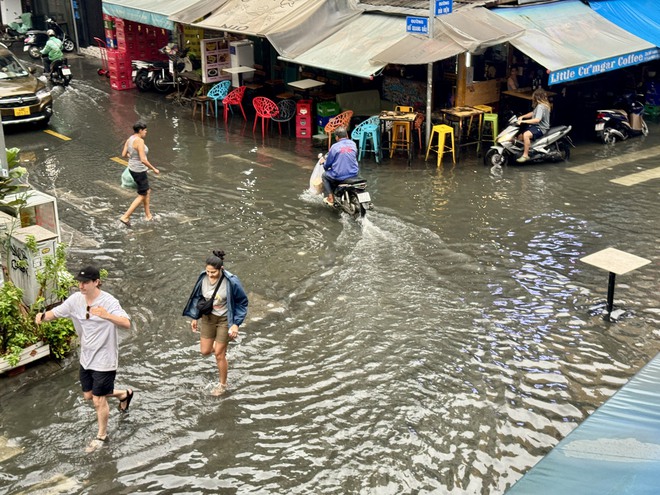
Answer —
229 310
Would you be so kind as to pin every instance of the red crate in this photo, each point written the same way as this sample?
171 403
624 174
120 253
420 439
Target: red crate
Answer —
121 84
304 107
304 126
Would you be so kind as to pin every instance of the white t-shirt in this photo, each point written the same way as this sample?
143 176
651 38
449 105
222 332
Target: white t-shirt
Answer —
99 350
220 302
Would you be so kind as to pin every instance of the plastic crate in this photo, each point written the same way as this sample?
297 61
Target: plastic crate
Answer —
304 107
321 122
304 126
121 84
327 108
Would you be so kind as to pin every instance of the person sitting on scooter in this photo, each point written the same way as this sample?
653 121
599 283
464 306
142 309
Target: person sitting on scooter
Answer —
537 123
52 51
340 164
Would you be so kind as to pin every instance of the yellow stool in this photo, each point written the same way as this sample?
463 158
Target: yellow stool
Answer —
442 130
400 137
492 119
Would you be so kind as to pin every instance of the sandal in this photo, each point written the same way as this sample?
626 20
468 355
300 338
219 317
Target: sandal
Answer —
127 399
96 444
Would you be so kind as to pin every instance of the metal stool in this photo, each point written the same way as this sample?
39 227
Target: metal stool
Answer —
203 103
401 137
442 130
488 118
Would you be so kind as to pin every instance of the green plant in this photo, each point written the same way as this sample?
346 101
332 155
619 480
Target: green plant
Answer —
16 330
12 184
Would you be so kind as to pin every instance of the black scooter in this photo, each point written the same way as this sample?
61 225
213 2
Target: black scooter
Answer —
35 40
625 120
60 73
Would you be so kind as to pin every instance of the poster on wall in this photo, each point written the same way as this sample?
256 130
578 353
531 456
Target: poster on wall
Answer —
215 57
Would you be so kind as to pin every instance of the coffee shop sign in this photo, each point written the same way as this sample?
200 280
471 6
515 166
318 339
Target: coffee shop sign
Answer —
601 66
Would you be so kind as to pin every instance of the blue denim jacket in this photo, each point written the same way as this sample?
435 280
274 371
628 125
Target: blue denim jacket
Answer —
237 300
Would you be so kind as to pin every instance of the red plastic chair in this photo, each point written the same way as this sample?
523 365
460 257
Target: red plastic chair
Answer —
235 97
265 108
341 120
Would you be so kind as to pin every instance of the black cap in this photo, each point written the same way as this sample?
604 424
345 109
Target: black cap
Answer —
88 273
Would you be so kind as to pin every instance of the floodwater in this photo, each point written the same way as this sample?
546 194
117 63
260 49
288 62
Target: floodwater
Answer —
443 345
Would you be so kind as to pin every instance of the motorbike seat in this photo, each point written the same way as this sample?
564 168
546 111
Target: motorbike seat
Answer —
352 180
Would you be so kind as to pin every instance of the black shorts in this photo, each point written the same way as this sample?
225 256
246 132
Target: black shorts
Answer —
100 383
142 182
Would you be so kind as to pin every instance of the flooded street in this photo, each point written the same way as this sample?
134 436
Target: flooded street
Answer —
442 345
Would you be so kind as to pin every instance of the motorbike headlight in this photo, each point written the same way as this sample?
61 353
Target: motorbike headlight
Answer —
43 93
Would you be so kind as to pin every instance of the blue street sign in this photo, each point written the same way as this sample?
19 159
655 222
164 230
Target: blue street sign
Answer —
443 6
417 25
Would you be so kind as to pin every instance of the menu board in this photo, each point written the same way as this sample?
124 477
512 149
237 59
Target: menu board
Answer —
215 57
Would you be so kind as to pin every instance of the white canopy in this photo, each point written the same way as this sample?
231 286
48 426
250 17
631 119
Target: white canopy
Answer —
573 41
351 49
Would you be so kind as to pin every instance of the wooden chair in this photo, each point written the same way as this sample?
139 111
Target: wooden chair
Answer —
341 120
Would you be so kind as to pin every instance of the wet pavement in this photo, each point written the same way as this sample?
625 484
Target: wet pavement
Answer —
443 344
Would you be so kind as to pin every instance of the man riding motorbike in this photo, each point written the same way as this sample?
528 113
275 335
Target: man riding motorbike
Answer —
340 164
52 51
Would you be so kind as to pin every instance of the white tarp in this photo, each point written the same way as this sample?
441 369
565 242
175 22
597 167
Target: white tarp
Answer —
350 50
150 12
195 11
466 30
573 41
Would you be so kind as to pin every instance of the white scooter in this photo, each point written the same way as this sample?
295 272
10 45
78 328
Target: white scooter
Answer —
554 146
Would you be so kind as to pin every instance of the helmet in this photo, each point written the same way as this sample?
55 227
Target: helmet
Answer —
50 32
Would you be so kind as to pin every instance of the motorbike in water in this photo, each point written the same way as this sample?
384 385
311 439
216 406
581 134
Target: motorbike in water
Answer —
60 73
553 146
624 121
35 40
350 195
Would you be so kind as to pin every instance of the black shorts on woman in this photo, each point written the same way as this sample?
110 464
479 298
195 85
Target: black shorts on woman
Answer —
142 182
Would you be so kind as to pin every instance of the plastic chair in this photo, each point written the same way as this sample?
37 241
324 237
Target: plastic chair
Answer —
235 97
488 118
401 132
483 108
369 130
287 111
404 109
442 130
219 92
266 109
341 120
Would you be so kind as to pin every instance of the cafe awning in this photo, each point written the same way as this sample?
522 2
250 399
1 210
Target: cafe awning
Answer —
195 11
639 17
151 12
572 41
351 49
469 29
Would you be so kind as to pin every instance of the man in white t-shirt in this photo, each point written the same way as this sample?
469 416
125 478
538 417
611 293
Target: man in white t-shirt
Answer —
96 315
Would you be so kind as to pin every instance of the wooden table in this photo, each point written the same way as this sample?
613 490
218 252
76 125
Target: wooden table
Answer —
193 85
405 117
459 114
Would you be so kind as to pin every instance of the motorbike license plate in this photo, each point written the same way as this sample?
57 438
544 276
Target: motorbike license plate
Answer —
66 71
26 48
363 197
133 74
600 126
20 112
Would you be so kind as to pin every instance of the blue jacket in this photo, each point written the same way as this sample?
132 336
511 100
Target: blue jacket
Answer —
341 162
237 300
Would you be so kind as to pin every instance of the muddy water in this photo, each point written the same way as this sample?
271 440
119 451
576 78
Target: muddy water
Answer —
442 345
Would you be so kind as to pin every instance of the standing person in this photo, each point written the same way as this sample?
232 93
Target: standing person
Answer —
340 164
538 121
138 164
96 315
229 309
512 81
52 51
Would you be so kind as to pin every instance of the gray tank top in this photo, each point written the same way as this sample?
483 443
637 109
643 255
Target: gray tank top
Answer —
134 162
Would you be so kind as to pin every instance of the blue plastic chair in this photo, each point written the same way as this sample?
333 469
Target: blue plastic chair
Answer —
218 93
365 132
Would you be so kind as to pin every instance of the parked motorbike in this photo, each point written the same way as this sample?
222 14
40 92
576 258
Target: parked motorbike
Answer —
35 40
60 73
350 195
624 121
15 31
553 146
145 72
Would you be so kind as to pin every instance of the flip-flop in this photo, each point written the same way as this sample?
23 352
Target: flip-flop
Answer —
127 399
126 222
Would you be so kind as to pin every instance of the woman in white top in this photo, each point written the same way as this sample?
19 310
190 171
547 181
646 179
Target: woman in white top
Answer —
138 164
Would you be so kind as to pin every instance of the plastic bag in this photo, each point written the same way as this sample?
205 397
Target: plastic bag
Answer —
127 180
316 180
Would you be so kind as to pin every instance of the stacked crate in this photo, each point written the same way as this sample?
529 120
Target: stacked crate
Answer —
304 119
325 110
126 41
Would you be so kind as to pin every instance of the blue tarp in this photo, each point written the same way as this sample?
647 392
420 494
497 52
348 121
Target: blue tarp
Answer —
150 12
614 451
640 17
